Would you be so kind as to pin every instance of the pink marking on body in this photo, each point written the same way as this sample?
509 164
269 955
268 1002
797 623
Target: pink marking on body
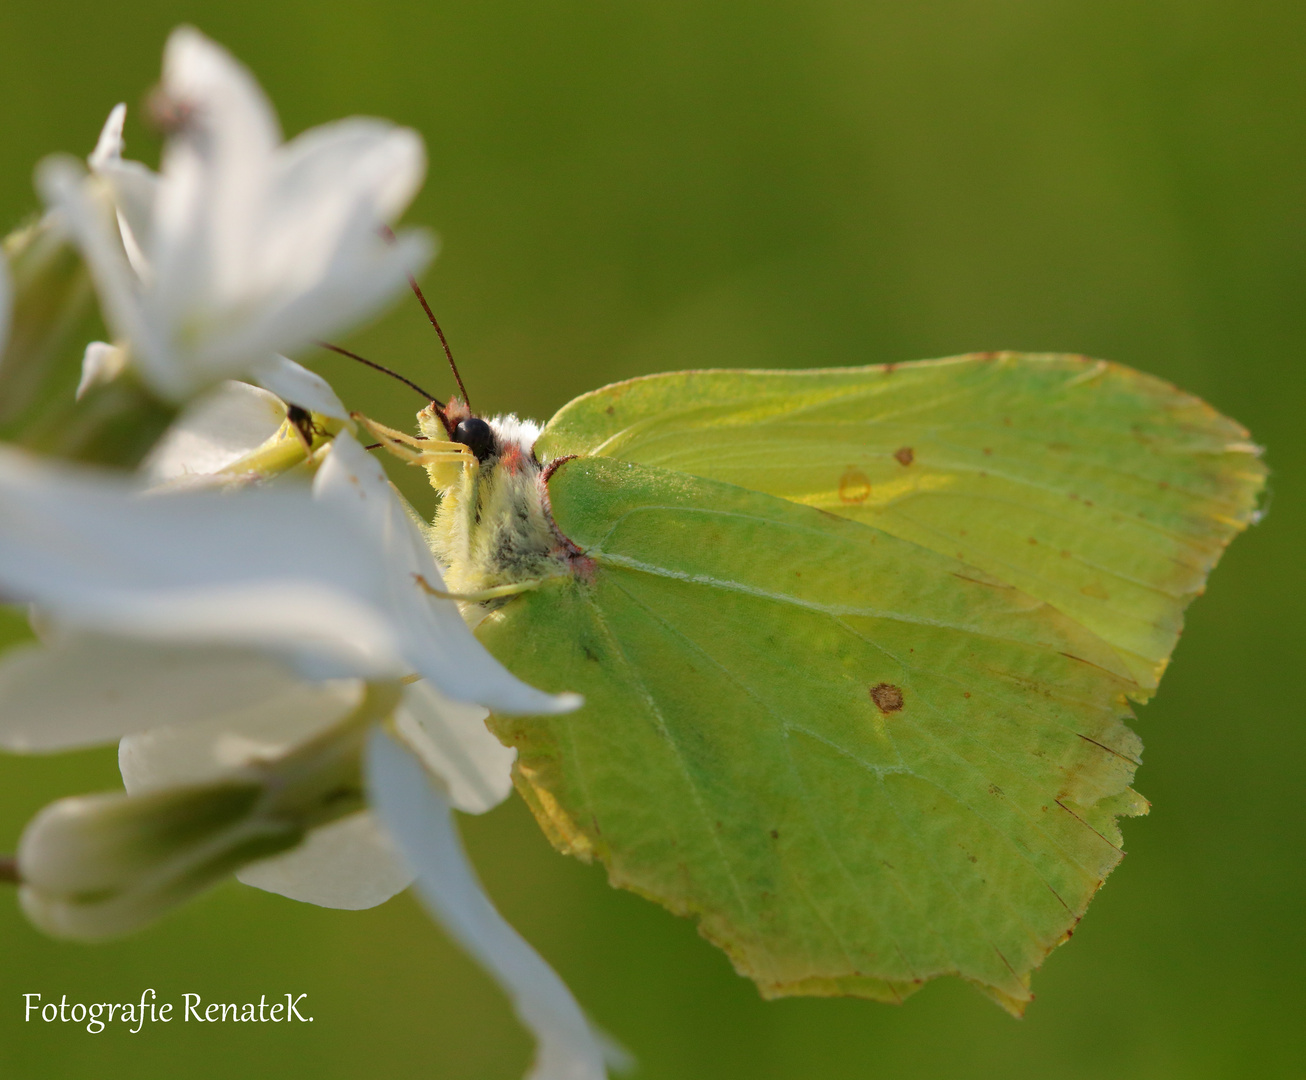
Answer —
511 459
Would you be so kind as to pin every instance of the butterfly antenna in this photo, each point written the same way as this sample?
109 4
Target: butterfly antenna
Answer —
439 405
388 233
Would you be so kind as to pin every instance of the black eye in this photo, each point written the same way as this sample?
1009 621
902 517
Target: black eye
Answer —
475 434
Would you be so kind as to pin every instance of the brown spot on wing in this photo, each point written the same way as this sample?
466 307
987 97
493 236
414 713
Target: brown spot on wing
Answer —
854 486
887 697
905 455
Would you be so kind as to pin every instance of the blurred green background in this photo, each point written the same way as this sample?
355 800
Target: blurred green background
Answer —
656 184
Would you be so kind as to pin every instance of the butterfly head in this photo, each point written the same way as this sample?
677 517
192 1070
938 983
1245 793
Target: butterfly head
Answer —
497 441
492 527
477 435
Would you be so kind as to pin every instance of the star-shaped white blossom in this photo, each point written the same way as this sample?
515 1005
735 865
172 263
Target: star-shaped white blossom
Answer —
241 246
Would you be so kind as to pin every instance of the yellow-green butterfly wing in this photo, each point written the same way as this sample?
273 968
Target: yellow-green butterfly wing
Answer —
1103 491
866 740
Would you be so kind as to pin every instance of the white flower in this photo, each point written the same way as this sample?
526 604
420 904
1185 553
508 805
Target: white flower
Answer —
214 431
188 715
233 420
240 247
181 617
187 712
337 579
197 722
240 642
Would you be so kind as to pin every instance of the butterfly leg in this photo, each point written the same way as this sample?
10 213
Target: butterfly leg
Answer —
423 452
481 595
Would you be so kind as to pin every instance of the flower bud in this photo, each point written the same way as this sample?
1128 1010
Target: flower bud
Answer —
98 866
101 865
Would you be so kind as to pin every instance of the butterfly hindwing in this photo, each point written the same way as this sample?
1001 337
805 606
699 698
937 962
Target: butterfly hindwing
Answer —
858 762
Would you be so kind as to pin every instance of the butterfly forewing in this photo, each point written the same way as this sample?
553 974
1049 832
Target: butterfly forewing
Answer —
860 763
1102 491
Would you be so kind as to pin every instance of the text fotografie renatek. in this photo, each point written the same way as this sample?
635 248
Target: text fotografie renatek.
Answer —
282 1008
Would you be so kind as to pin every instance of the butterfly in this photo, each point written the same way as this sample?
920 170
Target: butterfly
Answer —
857 645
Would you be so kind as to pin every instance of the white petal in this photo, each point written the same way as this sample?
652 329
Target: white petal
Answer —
435 640
351 864
323 179
220 427
178 302
349 161
109 146
83 690
296 385
208 744
208 220
263 567
326 579
134 189
228 138
454 744
201 74
101 363
362 276
64 185
420 820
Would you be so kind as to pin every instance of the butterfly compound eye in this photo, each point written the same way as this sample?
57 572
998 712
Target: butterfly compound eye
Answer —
475 434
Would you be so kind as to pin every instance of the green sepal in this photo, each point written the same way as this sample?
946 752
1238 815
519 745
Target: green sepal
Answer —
114 423
51 298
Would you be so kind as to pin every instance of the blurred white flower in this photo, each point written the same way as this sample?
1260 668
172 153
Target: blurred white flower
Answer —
192 700
214 431
240 247
241 644
204 717
231 428
335 579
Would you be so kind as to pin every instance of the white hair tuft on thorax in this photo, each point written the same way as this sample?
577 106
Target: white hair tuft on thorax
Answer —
511 430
